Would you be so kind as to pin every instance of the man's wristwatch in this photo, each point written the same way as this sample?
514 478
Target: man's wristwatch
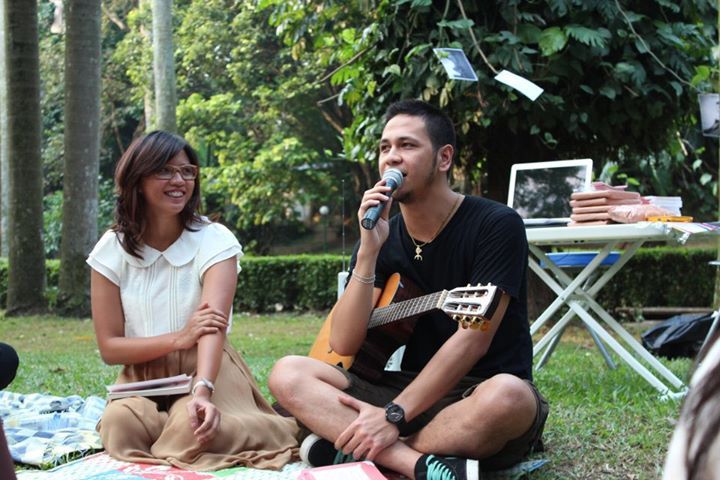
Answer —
395 414
204 382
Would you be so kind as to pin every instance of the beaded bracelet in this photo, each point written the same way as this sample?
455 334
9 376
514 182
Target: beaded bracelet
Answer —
366 280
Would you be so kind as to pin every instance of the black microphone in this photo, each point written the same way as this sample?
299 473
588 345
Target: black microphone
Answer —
393 179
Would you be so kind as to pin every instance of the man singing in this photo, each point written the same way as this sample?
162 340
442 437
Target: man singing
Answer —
463 401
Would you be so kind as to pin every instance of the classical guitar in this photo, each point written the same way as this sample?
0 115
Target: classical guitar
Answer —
393 319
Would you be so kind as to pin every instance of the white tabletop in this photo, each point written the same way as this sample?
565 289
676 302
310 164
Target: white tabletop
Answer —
645 231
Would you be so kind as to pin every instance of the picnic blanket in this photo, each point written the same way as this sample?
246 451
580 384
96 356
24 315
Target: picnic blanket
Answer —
44 430
101 466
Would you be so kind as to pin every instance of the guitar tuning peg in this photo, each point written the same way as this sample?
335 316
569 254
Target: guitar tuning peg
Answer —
469 285
475 325
484 325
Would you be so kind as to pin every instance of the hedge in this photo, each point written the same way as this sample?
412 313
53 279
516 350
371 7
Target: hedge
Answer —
663 276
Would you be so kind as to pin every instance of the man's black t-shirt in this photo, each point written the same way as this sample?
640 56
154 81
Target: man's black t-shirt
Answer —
484 242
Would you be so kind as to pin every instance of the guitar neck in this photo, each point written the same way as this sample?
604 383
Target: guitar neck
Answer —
406 309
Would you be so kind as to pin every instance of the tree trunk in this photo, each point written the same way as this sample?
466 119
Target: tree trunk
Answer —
82 149
4 141
26 276
164 65
148 97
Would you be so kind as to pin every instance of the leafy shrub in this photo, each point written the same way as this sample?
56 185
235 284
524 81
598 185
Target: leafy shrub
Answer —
663 276
653 277
296 282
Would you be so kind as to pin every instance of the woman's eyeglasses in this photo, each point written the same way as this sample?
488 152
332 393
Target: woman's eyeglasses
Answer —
187 172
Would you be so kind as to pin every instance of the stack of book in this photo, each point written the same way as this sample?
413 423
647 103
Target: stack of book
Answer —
177 385
593 207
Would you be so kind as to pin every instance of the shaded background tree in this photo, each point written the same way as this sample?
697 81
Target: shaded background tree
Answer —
81 153
4 151
26 261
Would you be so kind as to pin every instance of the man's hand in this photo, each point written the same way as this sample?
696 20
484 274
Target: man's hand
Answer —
204 418
204 321
369 434
377 194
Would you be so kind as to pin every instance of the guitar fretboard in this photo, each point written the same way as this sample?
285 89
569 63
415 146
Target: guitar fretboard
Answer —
408 308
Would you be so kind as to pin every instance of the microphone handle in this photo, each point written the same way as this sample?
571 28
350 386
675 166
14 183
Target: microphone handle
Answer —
371 216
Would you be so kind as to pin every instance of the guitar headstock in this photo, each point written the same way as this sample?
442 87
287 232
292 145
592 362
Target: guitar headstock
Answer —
472 306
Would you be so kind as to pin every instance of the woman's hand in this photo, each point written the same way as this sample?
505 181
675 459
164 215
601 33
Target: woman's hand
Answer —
204 321
204 418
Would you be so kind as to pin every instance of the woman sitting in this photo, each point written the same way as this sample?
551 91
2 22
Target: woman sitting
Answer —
162 286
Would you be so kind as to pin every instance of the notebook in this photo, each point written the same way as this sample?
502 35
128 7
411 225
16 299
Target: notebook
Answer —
540 191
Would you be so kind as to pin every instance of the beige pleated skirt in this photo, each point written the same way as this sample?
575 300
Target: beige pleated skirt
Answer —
157 430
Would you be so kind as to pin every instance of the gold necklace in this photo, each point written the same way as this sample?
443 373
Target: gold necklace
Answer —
419 246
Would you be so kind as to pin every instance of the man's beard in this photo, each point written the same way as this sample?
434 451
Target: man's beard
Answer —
410 196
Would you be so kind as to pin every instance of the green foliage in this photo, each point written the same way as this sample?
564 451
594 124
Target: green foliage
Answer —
52 216
606 96
52 221
134 51
249 110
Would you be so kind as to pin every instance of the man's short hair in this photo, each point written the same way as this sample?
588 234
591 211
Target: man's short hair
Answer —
439 126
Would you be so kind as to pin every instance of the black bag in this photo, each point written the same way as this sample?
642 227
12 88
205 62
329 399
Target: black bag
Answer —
678 336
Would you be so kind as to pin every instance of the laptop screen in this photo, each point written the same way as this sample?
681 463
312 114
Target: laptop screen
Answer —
540 192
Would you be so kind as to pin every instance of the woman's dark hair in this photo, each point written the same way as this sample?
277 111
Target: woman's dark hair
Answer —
701 414
145 156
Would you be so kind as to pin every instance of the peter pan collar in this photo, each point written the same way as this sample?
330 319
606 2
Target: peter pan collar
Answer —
180 253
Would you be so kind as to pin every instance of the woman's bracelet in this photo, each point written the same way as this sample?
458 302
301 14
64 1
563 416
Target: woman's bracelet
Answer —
204 382
366 280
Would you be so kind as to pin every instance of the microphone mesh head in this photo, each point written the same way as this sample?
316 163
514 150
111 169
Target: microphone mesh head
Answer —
393 175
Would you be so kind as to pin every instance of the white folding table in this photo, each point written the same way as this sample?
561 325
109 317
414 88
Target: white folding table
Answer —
579 293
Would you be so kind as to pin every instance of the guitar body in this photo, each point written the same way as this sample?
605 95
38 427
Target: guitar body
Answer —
393 320
380 342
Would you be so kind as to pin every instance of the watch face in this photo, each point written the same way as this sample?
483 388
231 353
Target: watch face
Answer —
394 413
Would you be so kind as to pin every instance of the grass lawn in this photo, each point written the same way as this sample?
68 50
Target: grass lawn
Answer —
602 424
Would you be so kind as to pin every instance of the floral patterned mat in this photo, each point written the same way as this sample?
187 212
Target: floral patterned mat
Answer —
101 466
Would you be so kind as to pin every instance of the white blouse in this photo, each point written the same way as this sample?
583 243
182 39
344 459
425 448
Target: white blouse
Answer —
161 290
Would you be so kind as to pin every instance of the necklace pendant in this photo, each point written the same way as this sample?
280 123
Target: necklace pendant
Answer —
418 253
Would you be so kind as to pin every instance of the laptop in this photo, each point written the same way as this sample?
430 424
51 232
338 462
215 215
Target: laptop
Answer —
540 191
